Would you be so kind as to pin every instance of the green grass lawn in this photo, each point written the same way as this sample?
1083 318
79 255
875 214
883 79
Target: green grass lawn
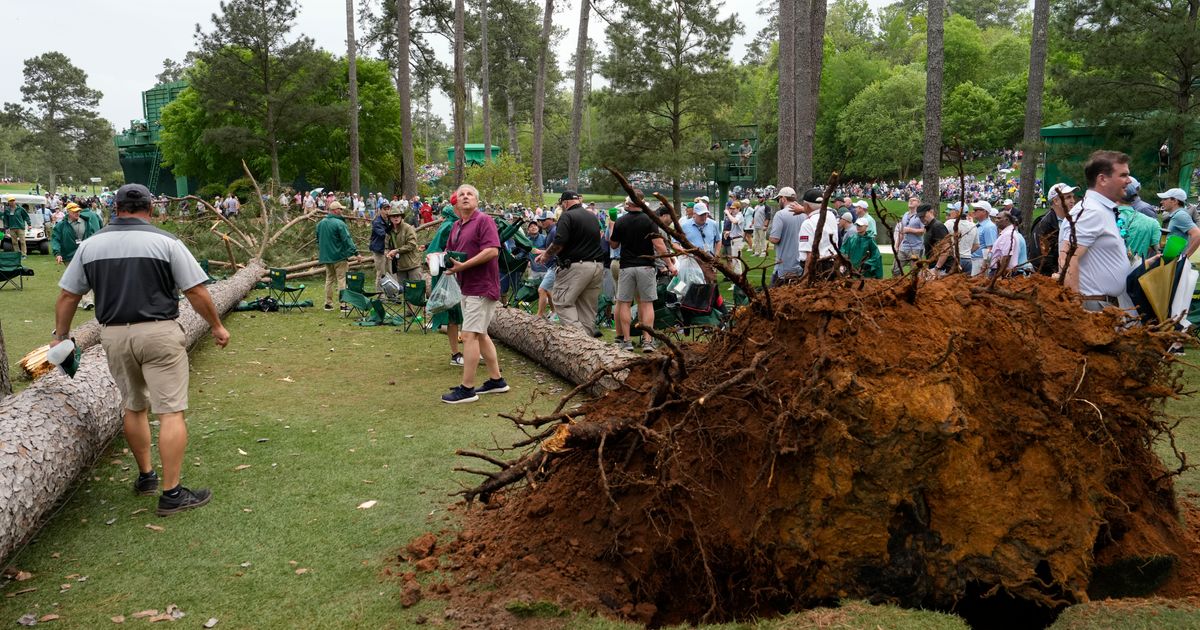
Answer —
328 415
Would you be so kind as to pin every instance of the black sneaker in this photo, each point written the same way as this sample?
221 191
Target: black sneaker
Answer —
460 394
328 306
456 359
187 500
345 308
146 486
492 386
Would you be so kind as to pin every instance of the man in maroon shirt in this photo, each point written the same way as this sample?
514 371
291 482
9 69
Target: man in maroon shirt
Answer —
475 235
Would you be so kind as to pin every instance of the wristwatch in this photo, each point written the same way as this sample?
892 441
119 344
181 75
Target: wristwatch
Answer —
57 337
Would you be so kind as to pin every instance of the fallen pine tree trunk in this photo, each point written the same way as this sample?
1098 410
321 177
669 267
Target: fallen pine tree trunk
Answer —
568 351
58 426
225 294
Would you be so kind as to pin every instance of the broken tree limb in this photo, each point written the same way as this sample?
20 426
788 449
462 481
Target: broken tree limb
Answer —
57 427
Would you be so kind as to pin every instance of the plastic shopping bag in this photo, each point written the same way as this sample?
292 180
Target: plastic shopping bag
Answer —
445 296
688 274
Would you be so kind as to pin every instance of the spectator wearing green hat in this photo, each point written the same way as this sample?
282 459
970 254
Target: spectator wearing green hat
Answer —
335 246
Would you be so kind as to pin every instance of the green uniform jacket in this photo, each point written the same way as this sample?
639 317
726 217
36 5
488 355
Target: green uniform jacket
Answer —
93 220
62 239
863 254
404 241
334 243
16 218
442 236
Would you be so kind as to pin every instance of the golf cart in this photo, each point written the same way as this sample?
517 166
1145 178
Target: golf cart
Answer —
36 238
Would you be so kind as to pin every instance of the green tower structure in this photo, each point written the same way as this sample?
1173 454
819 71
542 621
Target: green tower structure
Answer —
138 147
731 167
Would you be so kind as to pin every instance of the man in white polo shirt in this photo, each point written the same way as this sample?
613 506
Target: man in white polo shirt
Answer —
1100 264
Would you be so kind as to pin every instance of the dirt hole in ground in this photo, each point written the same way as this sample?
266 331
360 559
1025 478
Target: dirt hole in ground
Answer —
980 450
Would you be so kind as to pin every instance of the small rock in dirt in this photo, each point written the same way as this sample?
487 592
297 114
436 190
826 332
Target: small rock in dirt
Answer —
411 594
422 546
427 565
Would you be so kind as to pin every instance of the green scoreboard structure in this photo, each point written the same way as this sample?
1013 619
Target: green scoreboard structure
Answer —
138 146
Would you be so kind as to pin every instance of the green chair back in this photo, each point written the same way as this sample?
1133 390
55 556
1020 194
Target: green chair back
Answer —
278 278
10 261
355 281
414 292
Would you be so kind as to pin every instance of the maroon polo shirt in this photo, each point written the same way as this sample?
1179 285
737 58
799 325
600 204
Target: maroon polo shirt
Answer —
473 235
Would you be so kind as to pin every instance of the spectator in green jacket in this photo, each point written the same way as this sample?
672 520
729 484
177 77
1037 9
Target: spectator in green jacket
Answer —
65 240
862 252
452 318
16 219
90 215
334 249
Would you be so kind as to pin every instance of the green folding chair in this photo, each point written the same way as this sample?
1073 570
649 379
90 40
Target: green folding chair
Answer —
283 292
414 305
370 311
12 272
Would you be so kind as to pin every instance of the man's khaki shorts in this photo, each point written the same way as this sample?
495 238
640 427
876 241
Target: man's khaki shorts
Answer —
478 313
149 362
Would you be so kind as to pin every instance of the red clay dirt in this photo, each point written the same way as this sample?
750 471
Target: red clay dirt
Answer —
980 451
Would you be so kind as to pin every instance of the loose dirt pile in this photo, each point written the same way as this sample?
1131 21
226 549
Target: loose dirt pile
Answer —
980 451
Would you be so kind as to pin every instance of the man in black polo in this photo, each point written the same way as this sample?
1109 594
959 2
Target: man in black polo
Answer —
641 244
580 264
136 270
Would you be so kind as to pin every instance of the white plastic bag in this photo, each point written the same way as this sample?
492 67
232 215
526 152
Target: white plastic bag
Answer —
688 272
445 296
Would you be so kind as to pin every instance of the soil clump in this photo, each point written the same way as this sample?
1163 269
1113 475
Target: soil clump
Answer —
948 445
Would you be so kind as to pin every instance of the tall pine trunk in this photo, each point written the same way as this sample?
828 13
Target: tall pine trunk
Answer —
809 54
510 111
539 101
460 95
352 63
785 172
582 67
408 160
484 79
1031 144
932 160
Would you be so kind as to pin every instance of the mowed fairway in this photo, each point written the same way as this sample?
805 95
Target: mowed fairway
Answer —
301 420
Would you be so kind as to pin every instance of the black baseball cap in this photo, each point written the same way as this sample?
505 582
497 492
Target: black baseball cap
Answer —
568 195
814 195
133 192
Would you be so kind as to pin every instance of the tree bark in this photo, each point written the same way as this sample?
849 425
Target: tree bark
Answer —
5 379
1033 113
808 87
57 427
932 161
408 160
582 67
569 352
484 82
460 95
511 115
352 63
539 102
785 172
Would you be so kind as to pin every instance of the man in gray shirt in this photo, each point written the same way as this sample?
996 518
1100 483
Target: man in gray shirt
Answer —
785 234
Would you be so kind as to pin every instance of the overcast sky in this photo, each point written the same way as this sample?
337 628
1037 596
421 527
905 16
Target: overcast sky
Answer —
120 44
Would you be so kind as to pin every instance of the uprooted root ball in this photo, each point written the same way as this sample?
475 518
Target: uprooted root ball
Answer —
977 450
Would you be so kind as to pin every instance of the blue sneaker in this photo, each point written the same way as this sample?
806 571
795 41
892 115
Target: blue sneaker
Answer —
460 394
492 386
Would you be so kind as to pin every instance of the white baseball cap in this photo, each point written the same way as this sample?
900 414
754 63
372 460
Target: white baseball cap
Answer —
982 204
1060 188
786 191
862 221
1007 202
1174 193
860 204
701 208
